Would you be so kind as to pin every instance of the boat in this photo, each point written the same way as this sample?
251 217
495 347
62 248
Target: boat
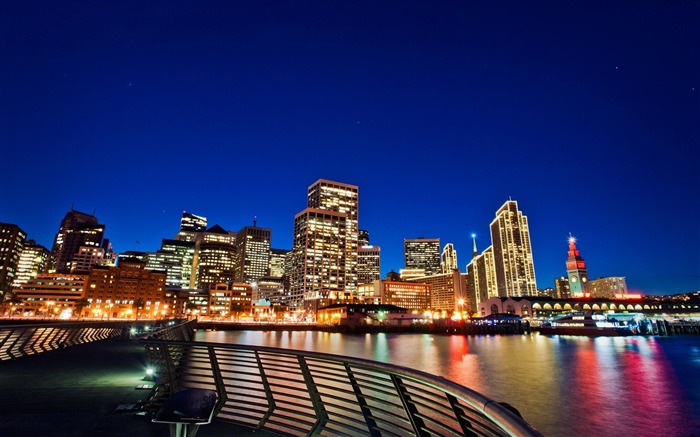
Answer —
590 325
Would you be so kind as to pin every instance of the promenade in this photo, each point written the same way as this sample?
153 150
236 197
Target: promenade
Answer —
81 391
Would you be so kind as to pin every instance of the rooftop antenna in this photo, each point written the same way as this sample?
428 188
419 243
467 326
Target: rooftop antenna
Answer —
255 220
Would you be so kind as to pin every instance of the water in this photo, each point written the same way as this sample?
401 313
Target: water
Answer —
562 385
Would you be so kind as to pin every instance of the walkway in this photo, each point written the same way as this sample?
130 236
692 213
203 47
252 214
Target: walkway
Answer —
77 392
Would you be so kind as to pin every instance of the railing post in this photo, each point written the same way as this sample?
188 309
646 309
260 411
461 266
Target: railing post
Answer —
416 422
315 397
271 405
464 424
371 423
218 379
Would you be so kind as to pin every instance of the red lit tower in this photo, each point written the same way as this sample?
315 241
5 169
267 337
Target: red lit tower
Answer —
576 270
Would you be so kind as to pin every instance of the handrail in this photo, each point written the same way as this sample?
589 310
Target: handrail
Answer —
294 392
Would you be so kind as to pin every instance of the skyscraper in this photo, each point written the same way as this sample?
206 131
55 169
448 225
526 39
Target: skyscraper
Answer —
253 254
448 260
11 247
215 257
324 253
368 264
422 253
576 270
512 252
481 278
190 226
77 229
32 261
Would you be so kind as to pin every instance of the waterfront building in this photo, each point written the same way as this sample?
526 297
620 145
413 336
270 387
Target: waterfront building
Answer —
270 288
512 252
32 261
325 251
422 253
219 300
50 294
77 229
482 278
576 270
409 295
344 314
215 257
448 259
127 290
190 226
608 287
86 258
561 287
12 240
253 254
448 291
368 264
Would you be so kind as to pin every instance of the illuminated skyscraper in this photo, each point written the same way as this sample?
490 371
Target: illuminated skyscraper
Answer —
325 248
481 278
363 238
448 259
175 258
422 253
214 257
86 258
190 226
32 261
11 247
576 270
253 254
77 229
512 252
368 264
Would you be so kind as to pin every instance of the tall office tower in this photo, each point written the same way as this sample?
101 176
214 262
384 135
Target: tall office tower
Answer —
448 260
86 258
422 253
110 258
368 264
11 247
77 229
32 261
190 226
253 254
318 255
362 238
512 252
181 250
561 287
447 291
481 282
344 199
608 287
278 262
215 257
576 270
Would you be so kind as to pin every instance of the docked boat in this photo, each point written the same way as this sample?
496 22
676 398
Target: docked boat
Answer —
589 324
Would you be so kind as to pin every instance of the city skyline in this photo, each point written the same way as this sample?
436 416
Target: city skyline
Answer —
439 114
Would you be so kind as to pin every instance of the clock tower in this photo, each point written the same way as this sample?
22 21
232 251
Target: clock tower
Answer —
576 270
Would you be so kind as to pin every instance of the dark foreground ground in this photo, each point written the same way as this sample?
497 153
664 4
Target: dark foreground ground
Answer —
82 391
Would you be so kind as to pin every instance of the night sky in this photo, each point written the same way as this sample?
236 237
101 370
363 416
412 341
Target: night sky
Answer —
586 113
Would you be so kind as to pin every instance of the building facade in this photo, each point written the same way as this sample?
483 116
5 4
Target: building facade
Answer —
77 229
422 253
448 259
32 261
512 252
404 294
12 240
448 291
50 294
608 287
253 254
368 264
576 270
190 226
482 278
215 257
86 258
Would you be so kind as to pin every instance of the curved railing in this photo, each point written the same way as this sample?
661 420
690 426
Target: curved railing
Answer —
293 392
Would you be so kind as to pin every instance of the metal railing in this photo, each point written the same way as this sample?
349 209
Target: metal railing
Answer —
18 341
293 392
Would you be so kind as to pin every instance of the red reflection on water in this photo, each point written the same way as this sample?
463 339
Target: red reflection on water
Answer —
458 347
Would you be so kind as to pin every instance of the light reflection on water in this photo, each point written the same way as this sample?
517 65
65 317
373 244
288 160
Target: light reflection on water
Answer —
563 385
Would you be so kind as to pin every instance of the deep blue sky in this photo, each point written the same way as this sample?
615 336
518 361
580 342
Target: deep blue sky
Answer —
586 113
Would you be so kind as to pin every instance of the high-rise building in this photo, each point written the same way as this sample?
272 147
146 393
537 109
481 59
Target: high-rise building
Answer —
608 287
77 229
86 258
409 295
481 278
253 254
324 254
561 287
11 246
576 270
278 262
363 238
422 253
448 260
190 226
448 291
368 264
215 257
32 261
184 251
512 252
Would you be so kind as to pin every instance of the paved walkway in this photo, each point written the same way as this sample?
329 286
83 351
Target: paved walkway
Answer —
77 391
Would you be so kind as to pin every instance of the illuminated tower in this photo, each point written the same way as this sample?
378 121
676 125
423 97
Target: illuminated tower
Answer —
190 225
12 240
253 248
448 260
422 253
576 270
512 252
77 229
